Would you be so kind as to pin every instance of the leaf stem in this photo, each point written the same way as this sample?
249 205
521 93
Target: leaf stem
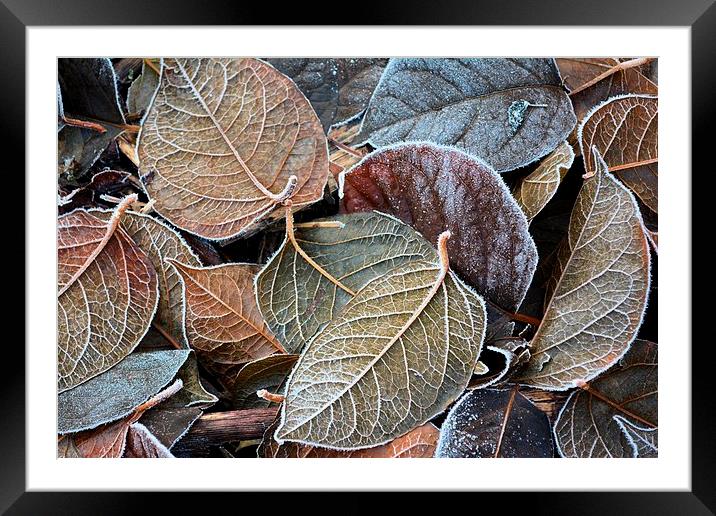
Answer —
166 335
344 147
292 238
632 63
151 65
508 411
84 124
270 396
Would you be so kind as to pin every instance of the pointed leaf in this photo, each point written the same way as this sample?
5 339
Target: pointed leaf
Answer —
221 141
535 190
265 373
495 423
603 419
338 89
397 355
117 392
599 298
142 444
438 188
142 90
509 112
296 300
108 293
223 323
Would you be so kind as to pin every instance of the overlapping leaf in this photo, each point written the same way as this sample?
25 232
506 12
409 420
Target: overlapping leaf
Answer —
615 415
418 443
398 354
142 90
108 293
162 243
436 188
509 112
225 141
338 88
117 392
495 423
297 300
602 282
501 359
223 323
265 373
142 444
535 190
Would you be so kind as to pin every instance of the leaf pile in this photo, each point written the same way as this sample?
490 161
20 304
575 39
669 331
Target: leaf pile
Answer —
357 258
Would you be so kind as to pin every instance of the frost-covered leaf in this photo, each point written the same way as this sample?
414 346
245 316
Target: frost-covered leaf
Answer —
600 292
118 392
509 112
615 415
88 93
338 88
142 444
142 90
108 293
495 423
106 182
297 300
221 141
397 355
501 358
625 132
434 189
535 190
265 373
160 242
170 424
418 443
223 323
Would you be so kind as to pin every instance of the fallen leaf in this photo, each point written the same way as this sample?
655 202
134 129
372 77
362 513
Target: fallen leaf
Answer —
265 373
170 424
338 89
396 356
141 444
535 190
495 423
223 323
297 300
106 182
418 443
644 182
615 414
142 90
601 285
118 392
88 93
509 112
502 358
436 188
161 243
225 142
108 293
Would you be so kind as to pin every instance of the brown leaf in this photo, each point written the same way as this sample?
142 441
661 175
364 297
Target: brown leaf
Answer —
418 443
434 189
223 323
108 293
142 444
644 182
225 141
265 373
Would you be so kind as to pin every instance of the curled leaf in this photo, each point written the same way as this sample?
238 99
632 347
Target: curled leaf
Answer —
509 112
225 142
142 444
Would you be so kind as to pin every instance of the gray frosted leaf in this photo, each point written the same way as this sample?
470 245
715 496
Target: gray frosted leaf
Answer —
599 290
89 93
495 423
118 391
265 373
398 354
160 242
433 189
509 112
613 415
141 91
296 300
338 89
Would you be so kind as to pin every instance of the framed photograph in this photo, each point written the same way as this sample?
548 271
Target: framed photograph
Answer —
431 238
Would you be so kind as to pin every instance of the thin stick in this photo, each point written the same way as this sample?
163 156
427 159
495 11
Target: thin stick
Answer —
151 65
222 427
632 63
346 148
270 396
508 410
84 124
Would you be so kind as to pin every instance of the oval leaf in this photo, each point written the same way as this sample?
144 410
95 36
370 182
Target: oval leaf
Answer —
508 112
602 275
397 355
435 189
221 141
616 414
223 323
495 423
107 298
297 300
117 392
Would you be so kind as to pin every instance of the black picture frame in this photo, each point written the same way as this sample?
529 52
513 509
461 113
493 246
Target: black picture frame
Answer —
700 15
